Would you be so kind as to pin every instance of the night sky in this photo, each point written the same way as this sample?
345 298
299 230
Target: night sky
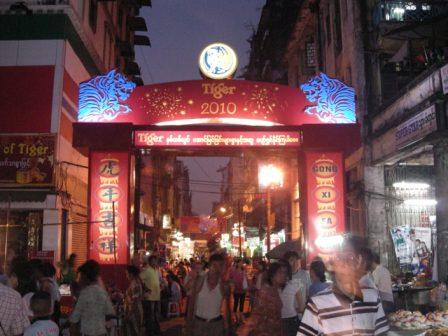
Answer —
179 30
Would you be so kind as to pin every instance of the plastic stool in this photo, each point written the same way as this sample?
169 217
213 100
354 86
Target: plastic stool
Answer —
173 309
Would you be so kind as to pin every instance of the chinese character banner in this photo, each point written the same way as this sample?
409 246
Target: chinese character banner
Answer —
109 184
325 202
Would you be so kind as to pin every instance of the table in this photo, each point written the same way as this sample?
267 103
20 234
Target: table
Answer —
419 296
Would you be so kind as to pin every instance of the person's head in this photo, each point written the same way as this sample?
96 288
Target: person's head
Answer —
132 272
216 264
89 271
47 270
72 259
348 265
277 274
261 266
153 261
317 271
293 258
375 260
239 263
40 304
367 259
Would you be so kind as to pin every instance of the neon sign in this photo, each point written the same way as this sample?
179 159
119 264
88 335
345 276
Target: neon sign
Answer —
216 139
113 98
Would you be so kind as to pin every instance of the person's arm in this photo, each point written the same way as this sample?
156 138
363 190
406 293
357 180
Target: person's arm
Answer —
75 317
310 323
227 309
299 305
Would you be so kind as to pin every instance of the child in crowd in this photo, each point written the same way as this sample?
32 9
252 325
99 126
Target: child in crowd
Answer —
42 325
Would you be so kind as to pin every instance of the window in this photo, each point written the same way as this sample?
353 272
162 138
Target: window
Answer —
337 27
310 54
93 14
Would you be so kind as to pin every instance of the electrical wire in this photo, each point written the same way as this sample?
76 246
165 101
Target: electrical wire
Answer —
200 167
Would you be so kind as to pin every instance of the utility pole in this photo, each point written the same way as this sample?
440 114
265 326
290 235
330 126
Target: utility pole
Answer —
239 228
268 218
8 213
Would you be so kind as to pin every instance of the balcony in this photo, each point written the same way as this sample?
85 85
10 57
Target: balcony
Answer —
410 11
410 19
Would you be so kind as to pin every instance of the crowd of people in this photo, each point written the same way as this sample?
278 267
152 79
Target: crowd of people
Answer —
218 296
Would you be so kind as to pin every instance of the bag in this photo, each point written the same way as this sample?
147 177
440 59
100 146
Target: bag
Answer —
245 285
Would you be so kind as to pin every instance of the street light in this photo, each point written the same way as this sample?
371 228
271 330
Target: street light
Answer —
269 177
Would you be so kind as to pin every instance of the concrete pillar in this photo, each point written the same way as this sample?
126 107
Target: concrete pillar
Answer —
440 152
375 211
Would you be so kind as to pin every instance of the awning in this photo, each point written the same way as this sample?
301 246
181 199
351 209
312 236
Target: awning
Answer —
23 195
137 23
142 40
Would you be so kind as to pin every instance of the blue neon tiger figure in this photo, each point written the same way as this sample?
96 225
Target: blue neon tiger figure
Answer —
335 101
100 99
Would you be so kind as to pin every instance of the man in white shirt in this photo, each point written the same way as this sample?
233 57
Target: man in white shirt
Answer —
209 293
383 281
345 308
300 277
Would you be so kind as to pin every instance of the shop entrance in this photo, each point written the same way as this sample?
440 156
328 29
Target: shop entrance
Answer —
121 127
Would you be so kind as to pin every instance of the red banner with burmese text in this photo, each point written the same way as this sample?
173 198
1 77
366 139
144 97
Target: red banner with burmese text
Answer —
325 202
109 173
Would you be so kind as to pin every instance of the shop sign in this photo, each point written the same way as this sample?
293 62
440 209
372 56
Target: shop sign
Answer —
325 202
114 98
216 139
26 160
444 74
198 224
45 256
416 128
108 193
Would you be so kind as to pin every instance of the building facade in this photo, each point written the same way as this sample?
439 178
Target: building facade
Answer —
394 55
47 48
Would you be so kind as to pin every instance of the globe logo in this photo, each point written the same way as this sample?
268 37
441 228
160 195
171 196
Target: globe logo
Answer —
218 61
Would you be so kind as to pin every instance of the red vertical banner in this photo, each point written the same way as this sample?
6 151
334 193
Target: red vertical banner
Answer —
325 202
109 190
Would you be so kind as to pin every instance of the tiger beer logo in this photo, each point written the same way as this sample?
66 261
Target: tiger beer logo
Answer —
325 168
325 194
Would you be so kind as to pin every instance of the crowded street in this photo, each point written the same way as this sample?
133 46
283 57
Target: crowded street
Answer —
223 168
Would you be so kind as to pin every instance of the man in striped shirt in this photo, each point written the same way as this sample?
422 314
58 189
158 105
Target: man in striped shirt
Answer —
345 308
